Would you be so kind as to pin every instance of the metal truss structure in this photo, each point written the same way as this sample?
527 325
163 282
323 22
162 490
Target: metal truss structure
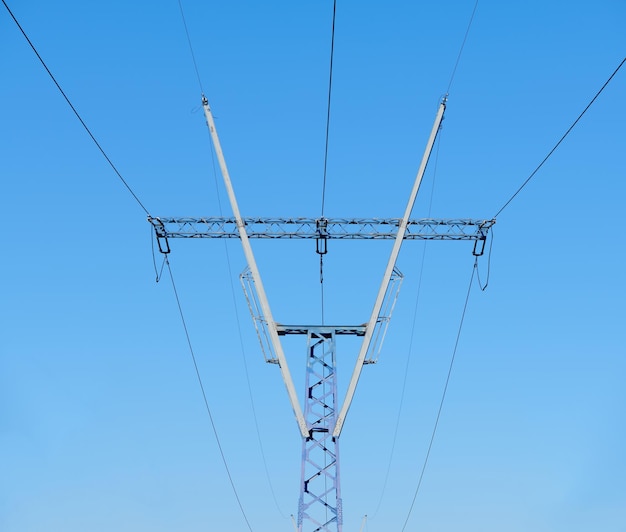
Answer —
322 228
262 327
321 422
320 493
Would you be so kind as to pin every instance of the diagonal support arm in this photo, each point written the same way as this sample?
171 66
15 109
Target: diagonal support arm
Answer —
387 275
254 271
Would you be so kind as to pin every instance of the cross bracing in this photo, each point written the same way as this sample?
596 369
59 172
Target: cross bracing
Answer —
323 228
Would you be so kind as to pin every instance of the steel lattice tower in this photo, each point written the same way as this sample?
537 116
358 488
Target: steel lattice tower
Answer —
321 421
320 493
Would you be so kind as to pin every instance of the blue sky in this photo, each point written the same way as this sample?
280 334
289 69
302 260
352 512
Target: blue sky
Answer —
102 424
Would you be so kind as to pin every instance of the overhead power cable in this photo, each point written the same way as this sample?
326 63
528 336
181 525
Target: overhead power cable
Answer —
204 397
193 55
482 286
157 273
443 397
411 337
242 348
75 111
561 139
330 90
397 425
458 57
232 288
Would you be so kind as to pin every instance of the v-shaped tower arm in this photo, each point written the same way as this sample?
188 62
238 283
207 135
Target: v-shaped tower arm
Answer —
256 277
375 316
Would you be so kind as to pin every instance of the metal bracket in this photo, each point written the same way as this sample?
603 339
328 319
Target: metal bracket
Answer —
260 324
481 241
321 242
380 329
161 234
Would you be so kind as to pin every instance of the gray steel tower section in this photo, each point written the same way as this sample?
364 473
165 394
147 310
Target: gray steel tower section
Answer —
320 492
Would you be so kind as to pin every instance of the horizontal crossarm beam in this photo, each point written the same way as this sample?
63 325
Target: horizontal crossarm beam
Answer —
323 228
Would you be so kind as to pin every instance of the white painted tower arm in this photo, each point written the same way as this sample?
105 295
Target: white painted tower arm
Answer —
256 277
387 276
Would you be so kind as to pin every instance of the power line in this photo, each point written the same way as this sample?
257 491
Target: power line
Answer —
75 111
330 88
204 397
242 350
249 385
561 139
322 285
411 337
456 64
193 55
443 397
158 273
482 286
458 58
230 277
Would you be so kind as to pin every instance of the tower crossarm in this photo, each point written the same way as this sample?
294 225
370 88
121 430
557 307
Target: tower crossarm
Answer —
331 228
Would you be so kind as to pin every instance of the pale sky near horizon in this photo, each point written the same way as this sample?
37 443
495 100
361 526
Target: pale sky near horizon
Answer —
102 423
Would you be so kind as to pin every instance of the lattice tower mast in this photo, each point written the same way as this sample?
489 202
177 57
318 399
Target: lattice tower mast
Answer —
321 421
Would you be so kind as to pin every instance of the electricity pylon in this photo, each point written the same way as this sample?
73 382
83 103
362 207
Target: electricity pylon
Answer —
321 421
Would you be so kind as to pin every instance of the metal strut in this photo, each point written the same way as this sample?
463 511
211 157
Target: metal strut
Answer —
374 317
255 275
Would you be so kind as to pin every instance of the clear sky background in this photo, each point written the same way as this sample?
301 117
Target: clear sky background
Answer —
102 423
